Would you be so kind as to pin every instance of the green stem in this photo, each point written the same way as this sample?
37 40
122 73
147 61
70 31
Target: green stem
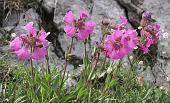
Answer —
85 59
48 67
66 63
47 63
32 67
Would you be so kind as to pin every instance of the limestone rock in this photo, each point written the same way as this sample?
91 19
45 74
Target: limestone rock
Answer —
48 5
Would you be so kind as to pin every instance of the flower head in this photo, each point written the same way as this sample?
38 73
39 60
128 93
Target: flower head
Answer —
120 42
149 36
16 44
147 15
78 28
32 45
150 33
22 53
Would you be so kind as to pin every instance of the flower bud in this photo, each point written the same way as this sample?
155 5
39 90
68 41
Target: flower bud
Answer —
13 35
162 88
140 27
131 57
140 63
105 22
113 26
147 15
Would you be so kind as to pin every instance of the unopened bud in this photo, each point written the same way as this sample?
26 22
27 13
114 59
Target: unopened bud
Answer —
131 57
140 63
136 47
162 88
147 15
113 26
140 27
106 22
13 35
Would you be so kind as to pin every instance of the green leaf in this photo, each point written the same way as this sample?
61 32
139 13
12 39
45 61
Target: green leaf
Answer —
82 92
153 20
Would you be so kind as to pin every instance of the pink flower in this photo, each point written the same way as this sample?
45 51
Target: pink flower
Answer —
30 29
123 24
78 28
150 32
83 14
90 26
35 41
147 15
69 17
120 42
38 54
43 39
16 44
70 31
130 39
84 33
149 36
22 53
124 21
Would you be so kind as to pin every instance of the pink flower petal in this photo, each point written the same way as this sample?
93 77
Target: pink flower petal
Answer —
22 53
70 31
39 53
83 14
42 38
69 17
89 26
123 20
30 29
15 44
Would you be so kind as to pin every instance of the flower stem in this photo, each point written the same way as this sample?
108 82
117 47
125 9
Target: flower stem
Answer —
32 67
85 59
66 62
47 63
48 67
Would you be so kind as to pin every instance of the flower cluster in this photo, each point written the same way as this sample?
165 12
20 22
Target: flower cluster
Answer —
78 28
31 45
150 32
120 42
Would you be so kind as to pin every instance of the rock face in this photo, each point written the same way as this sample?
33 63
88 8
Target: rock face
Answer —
25 17
48 5
1 11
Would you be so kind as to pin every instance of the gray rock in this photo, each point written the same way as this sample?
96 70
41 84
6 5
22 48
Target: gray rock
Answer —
25 17
133 10
2 32
48 5
11 18
1 12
